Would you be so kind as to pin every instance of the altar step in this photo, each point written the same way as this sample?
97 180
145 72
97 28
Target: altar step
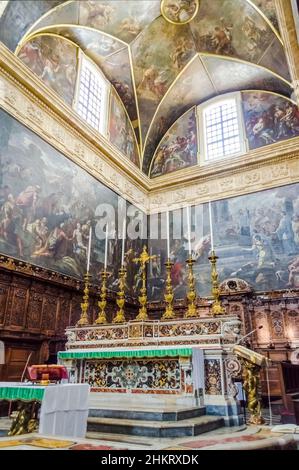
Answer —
179 426
148 413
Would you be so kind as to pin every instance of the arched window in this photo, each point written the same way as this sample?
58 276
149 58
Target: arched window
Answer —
92 95
222 128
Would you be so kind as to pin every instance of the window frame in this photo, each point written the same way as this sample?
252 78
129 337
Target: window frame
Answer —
104 125
201 110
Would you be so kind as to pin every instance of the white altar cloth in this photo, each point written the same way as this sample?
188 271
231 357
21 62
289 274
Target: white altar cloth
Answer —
64 410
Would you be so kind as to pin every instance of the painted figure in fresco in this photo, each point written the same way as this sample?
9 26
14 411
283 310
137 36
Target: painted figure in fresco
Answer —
293 268
177 151
295 226
183 52
219 40
290 120
96 14
263 251
124 92
30 54
222 38
285 234
7 211
39 231
252 32
270 119
179 11
154 81
27 201
78 244
11 226
56 244
261 132
50 69
130 26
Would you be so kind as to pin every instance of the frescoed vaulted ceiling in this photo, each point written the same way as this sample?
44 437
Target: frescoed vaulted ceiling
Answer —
162 66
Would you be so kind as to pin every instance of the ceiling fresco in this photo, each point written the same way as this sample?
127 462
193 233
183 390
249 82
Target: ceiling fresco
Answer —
179 147
54 60
163 64
269 10
216 76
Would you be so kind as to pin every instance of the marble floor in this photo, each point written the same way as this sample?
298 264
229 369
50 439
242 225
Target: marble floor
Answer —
241 438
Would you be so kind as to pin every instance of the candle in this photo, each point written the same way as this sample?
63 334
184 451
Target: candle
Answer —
106 246
123 243
189 229
89 250
167 235
211 227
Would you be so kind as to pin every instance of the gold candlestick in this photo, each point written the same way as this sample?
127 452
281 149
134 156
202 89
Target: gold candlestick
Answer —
143 260
85 304
102 319
168 296
217 308
191 294
121 300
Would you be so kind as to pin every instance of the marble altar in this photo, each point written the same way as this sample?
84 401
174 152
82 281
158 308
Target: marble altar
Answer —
159 358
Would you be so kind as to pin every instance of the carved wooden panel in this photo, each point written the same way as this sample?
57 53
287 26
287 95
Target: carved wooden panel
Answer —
293 324
3 302
277 325
18 307
34 310
49 314
63 313
75 310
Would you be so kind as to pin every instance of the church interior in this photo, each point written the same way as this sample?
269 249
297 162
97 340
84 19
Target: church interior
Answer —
149 225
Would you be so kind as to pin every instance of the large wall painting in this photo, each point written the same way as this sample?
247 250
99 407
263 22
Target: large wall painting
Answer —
47 205
121 133
178 148
54 60
256 238
269 118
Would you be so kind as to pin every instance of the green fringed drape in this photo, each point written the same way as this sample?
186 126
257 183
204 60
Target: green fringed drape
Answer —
21 393
145 353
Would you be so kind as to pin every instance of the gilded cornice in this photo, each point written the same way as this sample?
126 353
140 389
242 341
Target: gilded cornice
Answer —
30 101
277 171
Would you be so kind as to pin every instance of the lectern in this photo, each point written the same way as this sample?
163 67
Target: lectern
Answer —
252 363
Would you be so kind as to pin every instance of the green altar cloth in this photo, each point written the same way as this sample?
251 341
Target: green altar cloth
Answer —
10 392
141 353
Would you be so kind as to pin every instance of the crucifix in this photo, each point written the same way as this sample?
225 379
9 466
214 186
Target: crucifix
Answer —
143 260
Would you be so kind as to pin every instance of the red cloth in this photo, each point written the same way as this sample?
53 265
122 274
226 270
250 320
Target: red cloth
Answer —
55 372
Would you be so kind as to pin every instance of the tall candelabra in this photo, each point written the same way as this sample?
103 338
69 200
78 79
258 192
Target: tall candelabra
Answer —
102 318
217 308
85 304
168 296
191 294
143 260
121 300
